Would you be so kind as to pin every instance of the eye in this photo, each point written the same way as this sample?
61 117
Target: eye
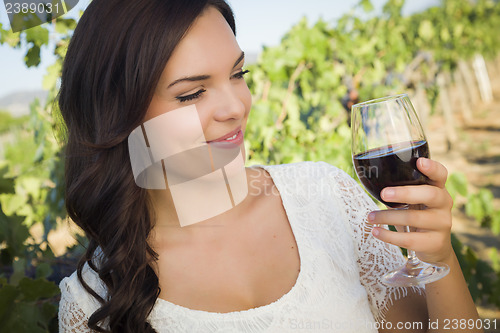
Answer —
190 97
240 74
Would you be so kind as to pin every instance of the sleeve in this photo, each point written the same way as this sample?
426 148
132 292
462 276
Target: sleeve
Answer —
72 318
374 257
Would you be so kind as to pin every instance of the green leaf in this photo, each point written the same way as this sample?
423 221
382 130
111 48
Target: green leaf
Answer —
8 295
53 73
26 317
474 208
445 35
11 203
495 259
495 223
31 185
19 270
458 30
37 35
457 184
6 184
48 311
32 57
367 5
64 25
486 198
37 289
9 37
426 30
43 270
13 233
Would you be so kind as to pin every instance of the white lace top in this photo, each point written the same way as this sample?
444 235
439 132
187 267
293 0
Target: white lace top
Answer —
337 289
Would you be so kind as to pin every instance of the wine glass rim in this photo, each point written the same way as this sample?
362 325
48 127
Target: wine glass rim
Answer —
380 100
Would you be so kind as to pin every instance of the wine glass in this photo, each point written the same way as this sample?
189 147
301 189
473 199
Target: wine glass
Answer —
387 140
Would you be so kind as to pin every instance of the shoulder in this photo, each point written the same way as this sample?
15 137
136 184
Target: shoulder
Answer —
77 304
304 182
304 170
315 175
72 289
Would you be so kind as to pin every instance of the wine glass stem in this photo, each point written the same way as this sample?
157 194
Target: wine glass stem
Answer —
412 257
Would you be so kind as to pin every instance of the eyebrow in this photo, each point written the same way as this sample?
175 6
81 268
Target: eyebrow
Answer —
203 77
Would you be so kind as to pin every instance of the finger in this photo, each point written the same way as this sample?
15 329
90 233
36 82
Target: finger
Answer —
417 241
431 196
419 219
435 171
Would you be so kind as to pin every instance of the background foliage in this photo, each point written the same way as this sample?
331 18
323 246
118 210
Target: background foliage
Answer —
297 115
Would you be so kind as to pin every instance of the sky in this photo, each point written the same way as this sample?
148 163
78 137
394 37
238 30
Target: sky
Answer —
258 23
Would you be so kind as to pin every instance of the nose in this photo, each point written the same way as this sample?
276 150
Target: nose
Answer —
230 104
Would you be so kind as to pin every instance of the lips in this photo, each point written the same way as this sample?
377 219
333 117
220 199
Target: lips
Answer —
226 136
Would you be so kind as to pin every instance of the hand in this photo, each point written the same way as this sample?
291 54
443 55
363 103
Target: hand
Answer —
431 233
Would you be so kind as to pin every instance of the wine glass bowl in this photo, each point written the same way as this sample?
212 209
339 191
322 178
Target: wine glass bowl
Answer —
387 140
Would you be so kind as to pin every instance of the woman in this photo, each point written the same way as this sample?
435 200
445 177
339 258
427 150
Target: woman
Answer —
298 252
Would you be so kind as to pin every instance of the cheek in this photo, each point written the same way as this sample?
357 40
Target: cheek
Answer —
157 107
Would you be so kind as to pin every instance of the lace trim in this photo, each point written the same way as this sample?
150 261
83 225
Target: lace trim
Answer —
71 317
375 258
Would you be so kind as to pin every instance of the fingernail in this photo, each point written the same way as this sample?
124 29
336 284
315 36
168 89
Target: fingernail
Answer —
389 193
375 232
371 216
425 163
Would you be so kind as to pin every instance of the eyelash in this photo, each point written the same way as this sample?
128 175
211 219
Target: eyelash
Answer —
240 74
190 97
197 94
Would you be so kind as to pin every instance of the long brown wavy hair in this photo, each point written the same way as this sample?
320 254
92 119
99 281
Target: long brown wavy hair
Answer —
112 67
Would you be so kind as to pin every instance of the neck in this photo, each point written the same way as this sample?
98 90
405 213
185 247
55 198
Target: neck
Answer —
167 226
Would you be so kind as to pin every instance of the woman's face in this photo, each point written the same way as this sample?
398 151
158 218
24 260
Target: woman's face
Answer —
205 69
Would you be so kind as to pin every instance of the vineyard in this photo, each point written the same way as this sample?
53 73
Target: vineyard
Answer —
446 58
477 157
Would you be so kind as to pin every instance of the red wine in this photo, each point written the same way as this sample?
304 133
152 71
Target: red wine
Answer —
393 165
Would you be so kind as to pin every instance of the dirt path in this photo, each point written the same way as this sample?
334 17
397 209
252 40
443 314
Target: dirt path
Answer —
477 155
